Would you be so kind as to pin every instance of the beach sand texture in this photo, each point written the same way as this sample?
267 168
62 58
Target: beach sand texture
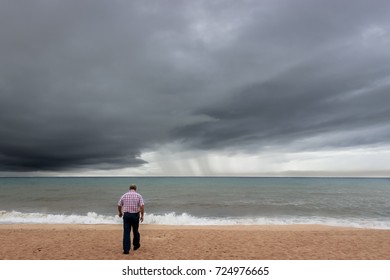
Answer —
99 242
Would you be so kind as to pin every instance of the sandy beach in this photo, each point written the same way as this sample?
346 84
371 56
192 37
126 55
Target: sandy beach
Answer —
99 242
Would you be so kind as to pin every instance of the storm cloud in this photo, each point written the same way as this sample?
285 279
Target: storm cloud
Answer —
95 84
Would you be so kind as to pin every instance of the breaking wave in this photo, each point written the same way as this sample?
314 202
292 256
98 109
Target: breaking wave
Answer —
15 217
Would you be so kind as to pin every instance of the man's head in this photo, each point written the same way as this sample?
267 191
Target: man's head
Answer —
133 187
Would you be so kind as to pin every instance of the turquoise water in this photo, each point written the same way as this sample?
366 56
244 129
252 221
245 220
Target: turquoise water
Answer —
359 202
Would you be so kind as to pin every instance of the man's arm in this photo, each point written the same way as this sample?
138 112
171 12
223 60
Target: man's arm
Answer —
142 210
120 211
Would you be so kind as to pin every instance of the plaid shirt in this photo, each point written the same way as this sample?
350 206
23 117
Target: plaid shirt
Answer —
131 202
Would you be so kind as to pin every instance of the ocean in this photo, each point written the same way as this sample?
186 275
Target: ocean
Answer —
351 202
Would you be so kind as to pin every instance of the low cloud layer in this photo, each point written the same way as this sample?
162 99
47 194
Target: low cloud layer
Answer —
94 84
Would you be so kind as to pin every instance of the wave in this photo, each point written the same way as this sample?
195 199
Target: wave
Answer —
15 217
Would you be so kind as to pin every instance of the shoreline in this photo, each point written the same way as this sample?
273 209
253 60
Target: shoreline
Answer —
165 242
305 227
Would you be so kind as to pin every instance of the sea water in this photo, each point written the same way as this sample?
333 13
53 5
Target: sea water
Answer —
356 202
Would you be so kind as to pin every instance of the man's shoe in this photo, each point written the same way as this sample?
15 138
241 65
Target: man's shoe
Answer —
126 252
137 247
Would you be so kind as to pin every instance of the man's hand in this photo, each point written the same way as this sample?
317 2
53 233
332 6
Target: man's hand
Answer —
142 210
120 214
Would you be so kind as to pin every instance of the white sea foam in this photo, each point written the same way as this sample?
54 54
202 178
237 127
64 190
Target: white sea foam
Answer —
15 217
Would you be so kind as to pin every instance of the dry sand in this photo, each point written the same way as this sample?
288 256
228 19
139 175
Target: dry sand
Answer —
99 242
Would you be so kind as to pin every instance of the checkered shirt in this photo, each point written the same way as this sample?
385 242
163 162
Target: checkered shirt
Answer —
131 202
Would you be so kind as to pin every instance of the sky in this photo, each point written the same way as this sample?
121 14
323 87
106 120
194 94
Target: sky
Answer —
194 88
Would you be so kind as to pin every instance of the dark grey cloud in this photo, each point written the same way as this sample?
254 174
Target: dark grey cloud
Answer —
340 96
93 84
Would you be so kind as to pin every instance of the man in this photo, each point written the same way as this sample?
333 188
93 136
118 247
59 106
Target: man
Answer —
130 206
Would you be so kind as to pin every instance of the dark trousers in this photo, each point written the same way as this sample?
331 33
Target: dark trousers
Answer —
130 220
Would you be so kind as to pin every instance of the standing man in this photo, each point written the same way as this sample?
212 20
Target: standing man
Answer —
131 207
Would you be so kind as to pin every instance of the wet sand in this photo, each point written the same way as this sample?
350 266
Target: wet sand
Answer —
100 242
